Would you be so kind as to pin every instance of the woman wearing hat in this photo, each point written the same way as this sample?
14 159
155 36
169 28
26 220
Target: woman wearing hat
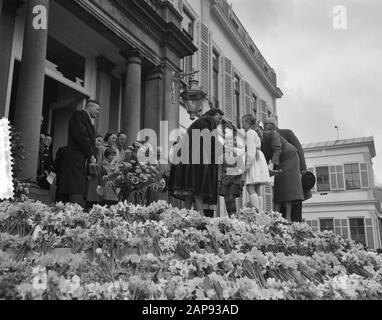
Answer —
285 158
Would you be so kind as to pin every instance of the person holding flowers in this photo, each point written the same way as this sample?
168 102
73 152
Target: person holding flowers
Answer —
256 170
109 195
94 177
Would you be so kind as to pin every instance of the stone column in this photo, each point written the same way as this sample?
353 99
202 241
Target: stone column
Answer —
171 99
131 108
153 99
30 93
8 10
104 67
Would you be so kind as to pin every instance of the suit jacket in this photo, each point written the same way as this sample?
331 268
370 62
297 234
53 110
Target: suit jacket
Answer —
80 148
289 136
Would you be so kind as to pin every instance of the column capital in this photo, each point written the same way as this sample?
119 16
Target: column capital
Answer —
132 55
155 72
12 5
104 64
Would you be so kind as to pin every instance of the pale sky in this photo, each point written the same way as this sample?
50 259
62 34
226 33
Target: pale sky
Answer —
329 77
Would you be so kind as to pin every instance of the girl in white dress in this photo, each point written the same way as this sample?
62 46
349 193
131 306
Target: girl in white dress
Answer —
256 173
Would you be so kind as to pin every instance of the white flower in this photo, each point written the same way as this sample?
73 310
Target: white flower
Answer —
40 282
98 251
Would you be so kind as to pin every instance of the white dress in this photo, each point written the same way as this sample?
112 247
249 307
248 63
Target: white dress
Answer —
258 173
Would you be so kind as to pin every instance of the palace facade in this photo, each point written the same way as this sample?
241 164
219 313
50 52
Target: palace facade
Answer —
133 56
124 53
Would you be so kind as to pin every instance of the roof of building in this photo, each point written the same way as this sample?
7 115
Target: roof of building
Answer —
342 143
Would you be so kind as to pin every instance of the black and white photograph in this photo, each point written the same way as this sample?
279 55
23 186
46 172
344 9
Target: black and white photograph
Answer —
190 155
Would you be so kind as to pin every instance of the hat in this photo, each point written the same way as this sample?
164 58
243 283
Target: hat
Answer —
271 121
308 181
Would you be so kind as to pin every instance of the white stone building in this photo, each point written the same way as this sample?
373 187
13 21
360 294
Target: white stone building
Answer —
344 198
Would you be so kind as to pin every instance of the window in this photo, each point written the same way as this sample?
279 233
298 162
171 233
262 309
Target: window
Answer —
352 176
188 23
237 101
215 78
313 224
187 66
341 227
323 183
357 230
327 224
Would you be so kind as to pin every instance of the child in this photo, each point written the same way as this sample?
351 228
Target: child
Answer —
110 197
257 173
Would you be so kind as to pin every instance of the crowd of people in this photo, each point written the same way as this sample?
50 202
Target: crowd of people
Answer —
267 151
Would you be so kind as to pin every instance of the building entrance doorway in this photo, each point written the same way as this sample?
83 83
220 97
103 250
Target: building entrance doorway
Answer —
59 103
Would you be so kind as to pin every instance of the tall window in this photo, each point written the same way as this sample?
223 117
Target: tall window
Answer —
188 23
188 26
215 78
323 183
357 230
352 176
237 101
327 224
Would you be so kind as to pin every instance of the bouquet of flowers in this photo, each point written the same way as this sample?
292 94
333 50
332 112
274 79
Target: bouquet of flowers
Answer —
132 176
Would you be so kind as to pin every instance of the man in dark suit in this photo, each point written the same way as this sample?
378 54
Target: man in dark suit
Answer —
80 152
287 134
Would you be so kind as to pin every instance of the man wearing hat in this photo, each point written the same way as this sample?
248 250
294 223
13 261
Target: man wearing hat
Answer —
307 177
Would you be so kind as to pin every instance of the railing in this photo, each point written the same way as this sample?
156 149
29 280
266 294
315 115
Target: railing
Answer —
243 34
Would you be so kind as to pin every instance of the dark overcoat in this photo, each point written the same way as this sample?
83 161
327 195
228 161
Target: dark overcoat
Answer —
288 187
80 148
289 136
197 179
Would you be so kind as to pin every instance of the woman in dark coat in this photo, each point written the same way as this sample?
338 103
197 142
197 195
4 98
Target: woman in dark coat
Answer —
197 182
285 158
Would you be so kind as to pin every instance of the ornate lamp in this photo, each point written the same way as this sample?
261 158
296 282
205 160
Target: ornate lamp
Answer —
192 95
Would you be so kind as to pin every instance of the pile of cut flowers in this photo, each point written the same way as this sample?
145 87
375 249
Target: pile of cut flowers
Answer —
158 252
